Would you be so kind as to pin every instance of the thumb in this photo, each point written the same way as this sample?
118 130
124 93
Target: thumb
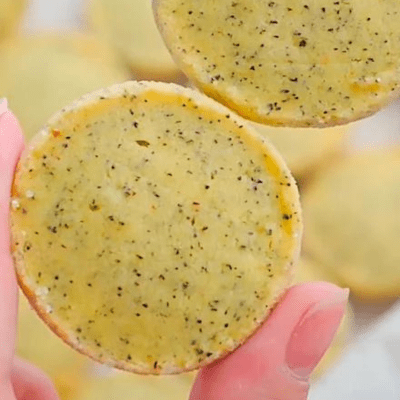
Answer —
30 383
11 145
276 362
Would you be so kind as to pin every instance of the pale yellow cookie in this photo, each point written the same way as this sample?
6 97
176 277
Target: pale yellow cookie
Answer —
352 222
132 387
288 62
306 149
66 368
10 16
129 26
153 229
309 271
41 74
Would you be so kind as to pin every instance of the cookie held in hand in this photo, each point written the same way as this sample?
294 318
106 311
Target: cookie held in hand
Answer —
153 229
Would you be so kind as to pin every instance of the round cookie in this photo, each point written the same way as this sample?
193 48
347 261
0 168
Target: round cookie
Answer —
129 26
352 222
10 16
170 213
38 345
305 149
132 387
40 74
288 62
309 271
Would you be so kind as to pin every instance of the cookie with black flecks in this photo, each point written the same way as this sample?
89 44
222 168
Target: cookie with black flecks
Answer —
352 219
285 62
153 229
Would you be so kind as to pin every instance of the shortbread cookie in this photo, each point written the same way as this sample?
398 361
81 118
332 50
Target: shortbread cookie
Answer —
129 26
288 62
153 230
352 219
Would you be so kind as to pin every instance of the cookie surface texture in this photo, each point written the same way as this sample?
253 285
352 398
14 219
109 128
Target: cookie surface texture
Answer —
291 63
352 223
152 228
41 74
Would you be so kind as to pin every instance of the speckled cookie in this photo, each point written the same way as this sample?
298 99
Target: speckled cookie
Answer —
286 62
309 271
10 16
306 149
153 229
352 220
129 26
40 74
130 387
37 344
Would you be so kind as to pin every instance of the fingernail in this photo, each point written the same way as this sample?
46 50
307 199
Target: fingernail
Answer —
314 333
3 106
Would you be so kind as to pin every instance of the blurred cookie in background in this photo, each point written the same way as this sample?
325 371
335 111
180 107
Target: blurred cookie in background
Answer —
129 26
352 223
37 344
309 271
378 131
124 386
306 149
40 74
11 12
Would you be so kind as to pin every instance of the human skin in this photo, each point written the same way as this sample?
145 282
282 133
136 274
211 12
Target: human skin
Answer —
274 364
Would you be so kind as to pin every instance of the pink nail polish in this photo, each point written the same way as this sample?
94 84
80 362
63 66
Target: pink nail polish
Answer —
314 333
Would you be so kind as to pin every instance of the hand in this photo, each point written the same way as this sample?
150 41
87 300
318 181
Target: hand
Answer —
19 380
275 364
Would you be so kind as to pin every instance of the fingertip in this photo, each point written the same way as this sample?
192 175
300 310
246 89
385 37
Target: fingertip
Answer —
11 136
259 369
31 383
314 332
6 391
11 146
3 106
317 288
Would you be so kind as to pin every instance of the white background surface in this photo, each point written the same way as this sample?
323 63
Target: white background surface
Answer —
370 367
